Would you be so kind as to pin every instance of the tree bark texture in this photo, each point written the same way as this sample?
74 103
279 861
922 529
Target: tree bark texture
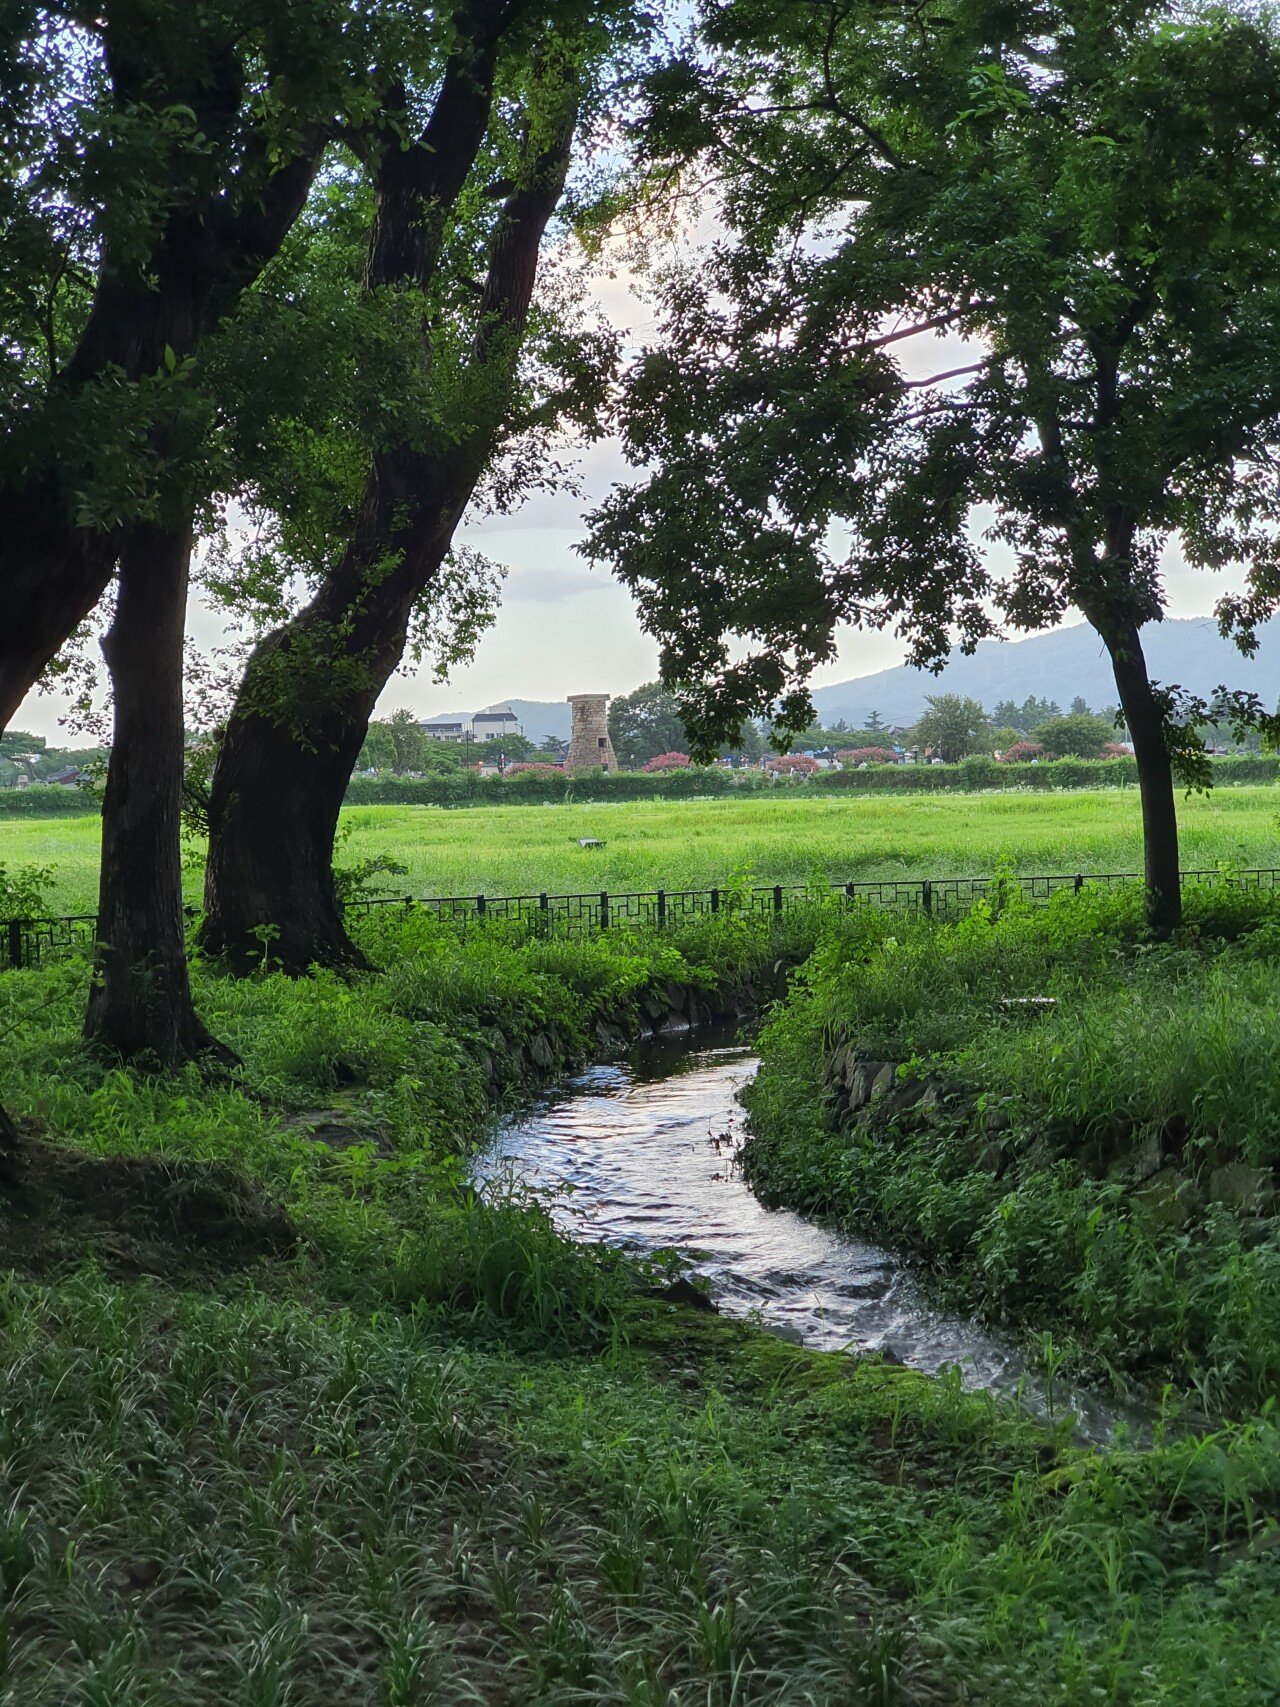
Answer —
140 998
1142 712
304 705
209 247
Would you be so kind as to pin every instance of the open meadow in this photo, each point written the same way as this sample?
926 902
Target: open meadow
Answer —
778 838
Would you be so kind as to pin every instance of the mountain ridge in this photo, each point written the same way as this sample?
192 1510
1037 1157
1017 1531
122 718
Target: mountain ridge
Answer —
1058 665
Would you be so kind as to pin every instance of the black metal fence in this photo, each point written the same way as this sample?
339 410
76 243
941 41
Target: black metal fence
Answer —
29 942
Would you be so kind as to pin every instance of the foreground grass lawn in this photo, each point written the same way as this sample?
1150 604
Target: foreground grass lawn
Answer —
693 844
427 1452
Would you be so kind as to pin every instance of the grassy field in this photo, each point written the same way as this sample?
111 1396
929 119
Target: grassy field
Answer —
430 1453
694 844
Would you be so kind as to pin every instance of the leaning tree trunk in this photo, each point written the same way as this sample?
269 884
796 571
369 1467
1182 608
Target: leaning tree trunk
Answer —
300 719
1155 778
273 815
140 999
303 709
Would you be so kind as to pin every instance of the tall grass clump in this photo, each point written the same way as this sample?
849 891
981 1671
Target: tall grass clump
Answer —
1097 1151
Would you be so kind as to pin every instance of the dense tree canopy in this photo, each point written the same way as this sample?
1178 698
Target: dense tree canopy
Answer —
1085 202
952 726
644 724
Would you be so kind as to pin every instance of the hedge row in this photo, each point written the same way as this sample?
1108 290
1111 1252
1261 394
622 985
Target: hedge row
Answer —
533 788
47 800
977 775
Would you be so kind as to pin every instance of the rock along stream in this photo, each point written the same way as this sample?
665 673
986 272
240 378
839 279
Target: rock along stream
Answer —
640 1154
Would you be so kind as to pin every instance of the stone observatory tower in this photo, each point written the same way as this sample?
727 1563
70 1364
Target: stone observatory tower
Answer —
589 745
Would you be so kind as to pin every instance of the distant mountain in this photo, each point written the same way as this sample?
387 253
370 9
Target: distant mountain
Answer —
1188 651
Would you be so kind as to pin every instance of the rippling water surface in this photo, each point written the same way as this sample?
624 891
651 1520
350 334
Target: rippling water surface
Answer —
647 1149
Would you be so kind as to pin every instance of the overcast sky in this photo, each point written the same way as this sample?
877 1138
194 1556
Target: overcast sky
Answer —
567 628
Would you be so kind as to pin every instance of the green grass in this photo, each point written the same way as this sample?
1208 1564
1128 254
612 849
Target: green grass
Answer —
695 844
442 1456
1087 1170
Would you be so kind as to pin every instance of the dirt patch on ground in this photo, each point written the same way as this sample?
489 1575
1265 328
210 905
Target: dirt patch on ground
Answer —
137 1214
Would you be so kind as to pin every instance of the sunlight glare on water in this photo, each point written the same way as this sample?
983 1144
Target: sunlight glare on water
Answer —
648 1149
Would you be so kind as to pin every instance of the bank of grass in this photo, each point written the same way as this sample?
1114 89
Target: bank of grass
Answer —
780 837
1099 1159
439 1455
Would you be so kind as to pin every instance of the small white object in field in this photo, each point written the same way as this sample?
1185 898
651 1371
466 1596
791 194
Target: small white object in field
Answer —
589 842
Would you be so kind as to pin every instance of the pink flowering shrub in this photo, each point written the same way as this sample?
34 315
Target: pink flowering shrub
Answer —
666 762
1116 750
532 765
868 756
793 764
1022 752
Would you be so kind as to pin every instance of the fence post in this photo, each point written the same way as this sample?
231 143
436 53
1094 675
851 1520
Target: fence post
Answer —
926 898
604 909
777 897
1079 882
715 900
480 906
662 908
848 891
15 944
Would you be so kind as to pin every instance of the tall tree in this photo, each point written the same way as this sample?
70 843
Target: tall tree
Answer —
952 726
162 154
497 137
1089 199
158 154
644 723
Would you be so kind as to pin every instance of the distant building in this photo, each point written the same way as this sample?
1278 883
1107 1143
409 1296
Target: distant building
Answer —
486 724
482 726
444 729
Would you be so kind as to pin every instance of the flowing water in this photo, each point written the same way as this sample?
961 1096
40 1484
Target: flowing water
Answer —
640 1154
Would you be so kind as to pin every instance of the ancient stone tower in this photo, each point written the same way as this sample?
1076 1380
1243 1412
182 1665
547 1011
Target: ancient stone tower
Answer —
589 745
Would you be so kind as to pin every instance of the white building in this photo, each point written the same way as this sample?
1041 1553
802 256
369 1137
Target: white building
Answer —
482 726
486 724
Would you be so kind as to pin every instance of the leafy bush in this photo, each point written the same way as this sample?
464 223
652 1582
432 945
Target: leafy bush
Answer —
666 762
1077 1176
1022 752
792 764
48 800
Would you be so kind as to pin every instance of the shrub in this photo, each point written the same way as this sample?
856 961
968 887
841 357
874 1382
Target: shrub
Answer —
48 800
1116 750
868 756
792 764
1021 753
666 762
538 769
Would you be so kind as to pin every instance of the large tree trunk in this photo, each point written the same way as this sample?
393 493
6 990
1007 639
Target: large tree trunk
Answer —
1155 778
303 709
273 814
140 999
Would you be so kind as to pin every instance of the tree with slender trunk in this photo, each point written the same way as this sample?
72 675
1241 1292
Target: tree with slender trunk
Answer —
140 997
304 705
1085 203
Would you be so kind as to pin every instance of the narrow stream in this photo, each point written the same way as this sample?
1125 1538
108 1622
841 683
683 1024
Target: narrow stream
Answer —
646 1147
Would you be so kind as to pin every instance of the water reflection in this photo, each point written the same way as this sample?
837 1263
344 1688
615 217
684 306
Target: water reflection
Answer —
647 1150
